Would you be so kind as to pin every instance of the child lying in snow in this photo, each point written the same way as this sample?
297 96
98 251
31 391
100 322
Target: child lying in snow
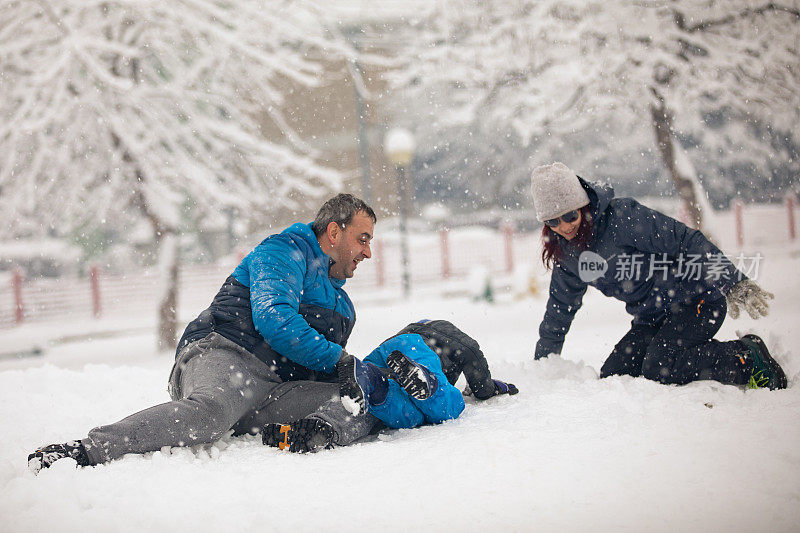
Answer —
407 381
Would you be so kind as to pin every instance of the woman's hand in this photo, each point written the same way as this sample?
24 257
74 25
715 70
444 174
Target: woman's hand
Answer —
751 297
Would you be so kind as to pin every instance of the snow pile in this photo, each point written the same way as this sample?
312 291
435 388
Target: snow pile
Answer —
570 452
351 405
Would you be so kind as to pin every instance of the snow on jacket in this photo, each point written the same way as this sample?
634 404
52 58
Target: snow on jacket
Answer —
654 263
281 304
400 410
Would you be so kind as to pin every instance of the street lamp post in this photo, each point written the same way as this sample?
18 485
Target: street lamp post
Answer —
399 148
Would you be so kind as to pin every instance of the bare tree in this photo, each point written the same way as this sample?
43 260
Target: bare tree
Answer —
119 106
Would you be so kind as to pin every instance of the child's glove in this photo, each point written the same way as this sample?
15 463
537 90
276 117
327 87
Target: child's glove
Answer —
501 387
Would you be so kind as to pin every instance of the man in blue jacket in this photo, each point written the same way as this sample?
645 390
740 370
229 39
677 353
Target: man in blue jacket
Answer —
265 350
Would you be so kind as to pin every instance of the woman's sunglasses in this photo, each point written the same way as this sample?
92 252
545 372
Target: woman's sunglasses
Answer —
568 217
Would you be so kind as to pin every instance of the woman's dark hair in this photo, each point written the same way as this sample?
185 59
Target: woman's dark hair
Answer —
340 209
552 252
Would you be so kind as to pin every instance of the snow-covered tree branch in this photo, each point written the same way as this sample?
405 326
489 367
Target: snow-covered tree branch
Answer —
117 105
551 69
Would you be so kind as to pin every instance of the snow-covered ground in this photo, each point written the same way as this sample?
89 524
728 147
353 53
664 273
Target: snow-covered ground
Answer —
569 453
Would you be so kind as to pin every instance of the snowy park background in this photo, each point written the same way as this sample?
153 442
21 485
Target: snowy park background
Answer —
569 453
156 143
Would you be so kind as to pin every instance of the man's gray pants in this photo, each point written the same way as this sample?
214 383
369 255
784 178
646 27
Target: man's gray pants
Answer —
216 386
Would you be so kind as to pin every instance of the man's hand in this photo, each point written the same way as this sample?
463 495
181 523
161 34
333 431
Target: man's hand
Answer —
344 360
748 295
353 397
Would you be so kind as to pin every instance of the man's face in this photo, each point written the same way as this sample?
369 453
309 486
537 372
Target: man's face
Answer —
350 245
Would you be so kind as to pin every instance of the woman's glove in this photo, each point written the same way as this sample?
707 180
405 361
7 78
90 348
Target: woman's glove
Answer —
751 297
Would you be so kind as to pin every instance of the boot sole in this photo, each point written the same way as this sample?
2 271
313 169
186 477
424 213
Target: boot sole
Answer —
45 456
304 436
409 375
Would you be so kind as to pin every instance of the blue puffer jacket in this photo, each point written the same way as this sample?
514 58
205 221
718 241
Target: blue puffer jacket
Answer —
281 305
400 410
677 266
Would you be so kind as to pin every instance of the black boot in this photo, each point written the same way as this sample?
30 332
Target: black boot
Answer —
418 382
47 455
765 371
305 435
362 382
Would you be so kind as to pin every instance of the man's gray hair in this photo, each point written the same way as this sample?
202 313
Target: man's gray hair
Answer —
340 209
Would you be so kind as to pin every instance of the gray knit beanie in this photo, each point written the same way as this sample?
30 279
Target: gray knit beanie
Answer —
556 190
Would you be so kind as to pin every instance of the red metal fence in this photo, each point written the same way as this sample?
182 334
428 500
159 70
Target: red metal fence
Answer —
434 257
436 260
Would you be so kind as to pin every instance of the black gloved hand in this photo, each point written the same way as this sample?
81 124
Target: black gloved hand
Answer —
501 387
353 396
343 361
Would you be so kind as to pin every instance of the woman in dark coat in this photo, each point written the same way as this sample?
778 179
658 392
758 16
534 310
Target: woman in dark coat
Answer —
677 285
